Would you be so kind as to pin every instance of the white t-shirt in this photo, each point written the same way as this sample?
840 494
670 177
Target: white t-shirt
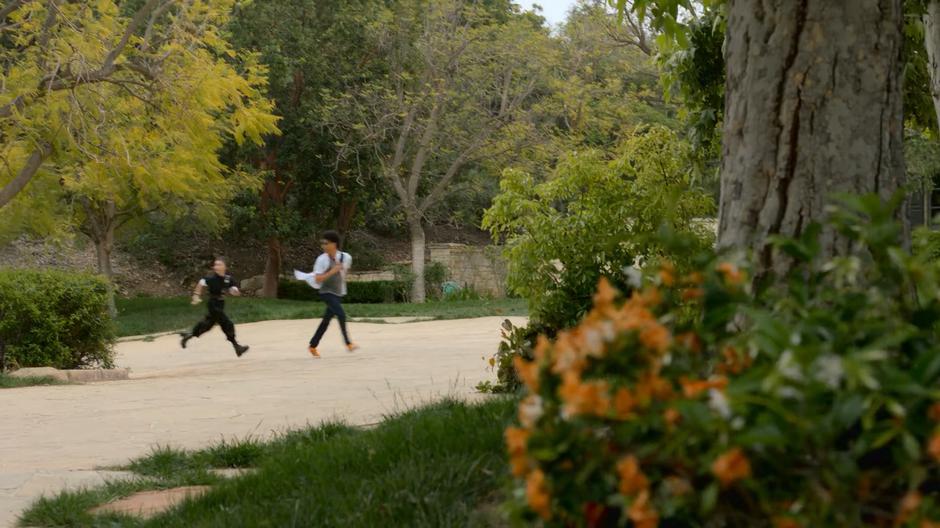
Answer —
324 263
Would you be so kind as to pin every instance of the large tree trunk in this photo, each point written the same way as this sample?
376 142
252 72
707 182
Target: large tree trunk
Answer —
347 212
272 268
813 108
100 224
418 244
273 197
932 43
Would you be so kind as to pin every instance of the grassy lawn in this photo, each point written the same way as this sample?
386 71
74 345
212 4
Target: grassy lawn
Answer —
151 315
9 382
442 465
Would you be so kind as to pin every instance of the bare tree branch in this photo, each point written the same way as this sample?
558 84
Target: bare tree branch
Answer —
107 68
12 6
26 173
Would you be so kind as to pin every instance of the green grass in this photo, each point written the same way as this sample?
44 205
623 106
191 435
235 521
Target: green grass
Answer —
150 315
441 465
9 382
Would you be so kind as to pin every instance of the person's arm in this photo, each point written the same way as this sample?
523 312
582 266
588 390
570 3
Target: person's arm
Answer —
326 274
234 289
197 293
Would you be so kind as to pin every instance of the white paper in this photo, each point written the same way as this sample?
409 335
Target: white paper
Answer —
306 277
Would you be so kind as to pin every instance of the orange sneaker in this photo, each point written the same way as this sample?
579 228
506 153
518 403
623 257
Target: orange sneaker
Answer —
352 347
313 352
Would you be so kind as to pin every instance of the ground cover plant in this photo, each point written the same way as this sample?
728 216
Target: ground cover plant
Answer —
439 465
807 399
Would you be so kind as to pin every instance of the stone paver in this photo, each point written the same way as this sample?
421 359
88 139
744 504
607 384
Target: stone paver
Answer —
149 503
57 436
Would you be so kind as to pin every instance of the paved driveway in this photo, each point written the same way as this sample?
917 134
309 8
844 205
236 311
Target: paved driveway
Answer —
54 437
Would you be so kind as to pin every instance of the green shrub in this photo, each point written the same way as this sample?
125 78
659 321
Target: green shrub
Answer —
435 274
516 341
597 214
812 402
376 292
371 292
467 293
927 243
55 319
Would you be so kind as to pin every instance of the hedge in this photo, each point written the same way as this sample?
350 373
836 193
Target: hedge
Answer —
55 319
371 292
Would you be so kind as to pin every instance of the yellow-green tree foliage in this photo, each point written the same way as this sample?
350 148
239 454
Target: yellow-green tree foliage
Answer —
110 108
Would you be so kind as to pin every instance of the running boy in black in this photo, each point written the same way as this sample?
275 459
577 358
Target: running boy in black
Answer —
219 284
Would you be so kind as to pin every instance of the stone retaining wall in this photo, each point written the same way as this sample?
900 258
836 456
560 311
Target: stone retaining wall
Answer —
480 268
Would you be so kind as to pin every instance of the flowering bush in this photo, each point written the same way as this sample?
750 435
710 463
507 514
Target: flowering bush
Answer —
814 401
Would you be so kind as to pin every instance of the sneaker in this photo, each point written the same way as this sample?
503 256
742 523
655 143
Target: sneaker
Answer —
184 338
313 352
352 347
240 349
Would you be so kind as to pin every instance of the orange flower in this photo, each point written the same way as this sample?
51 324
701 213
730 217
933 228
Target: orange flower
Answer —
933 447
690 341
516 443
624 404
568 357
929 524
934 412
651 386
606 294
667 274
909 505
642 513
786 522
695 278
734 362
671 416
690 294
537 494
584 397
693 388
732 466
651 297
655 337
528 372
542 346
731 272
632 480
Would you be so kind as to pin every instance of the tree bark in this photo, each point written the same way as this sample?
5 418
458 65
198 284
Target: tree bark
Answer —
813 108
100 224
418 245
273 197
26 173
272 268
347 212
932 43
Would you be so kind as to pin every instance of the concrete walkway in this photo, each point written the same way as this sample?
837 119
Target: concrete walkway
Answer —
63 436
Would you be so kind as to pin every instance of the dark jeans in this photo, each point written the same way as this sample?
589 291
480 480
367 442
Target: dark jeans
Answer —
215 316
334 308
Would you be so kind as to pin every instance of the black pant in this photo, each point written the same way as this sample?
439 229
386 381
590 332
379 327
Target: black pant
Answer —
334 307
215 316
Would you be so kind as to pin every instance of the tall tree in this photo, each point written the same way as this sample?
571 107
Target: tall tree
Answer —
122 147
812 109
53 50
459 75
310 47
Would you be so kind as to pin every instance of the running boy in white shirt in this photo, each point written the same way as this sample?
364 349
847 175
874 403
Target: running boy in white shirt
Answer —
329 273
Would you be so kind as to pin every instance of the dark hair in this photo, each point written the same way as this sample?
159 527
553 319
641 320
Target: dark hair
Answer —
220 258
331 236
